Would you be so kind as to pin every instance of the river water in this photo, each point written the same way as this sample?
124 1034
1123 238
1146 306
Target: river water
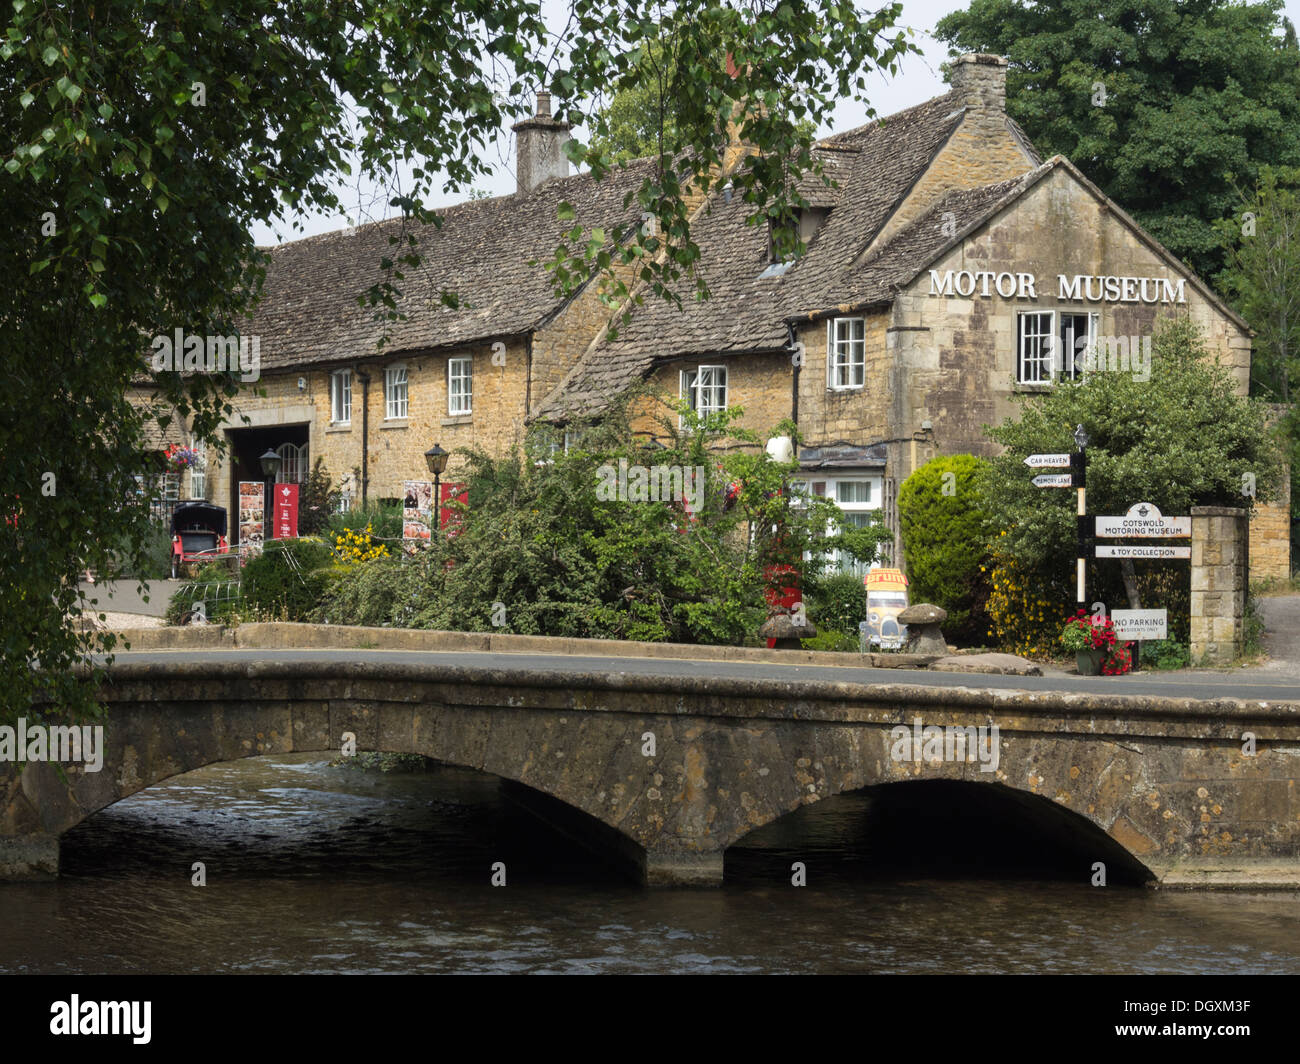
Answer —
318 869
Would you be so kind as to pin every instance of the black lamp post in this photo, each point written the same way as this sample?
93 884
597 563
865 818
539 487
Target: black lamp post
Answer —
270 463
436 458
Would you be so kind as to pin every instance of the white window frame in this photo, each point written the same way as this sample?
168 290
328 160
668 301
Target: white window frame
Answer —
1059 362
199 471
293 463
805 488
341 397
460 402
846 357
1037 359
692 388
871 505
1067 357
396 407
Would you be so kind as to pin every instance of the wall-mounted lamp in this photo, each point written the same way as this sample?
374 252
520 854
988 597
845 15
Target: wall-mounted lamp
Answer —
302 384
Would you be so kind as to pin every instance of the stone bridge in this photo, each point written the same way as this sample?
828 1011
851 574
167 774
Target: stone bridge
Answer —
1158 785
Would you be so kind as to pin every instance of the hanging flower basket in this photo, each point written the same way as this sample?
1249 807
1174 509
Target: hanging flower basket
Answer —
180 458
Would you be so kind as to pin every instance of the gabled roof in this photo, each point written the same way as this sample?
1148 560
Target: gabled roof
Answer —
876 165
309 313
914 248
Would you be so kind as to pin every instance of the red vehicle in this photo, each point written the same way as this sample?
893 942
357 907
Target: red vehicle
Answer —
198 534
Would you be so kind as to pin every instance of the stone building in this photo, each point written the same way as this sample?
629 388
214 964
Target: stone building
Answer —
947 267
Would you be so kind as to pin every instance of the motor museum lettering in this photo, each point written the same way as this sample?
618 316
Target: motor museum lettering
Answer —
1079 288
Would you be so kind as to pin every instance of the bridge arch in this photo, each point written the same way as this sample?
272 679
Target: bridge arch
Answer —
944 826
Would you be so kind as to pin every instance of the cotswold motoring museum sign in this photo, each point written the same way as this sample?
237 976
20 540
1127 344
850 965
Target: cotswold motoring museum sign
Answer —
1092 289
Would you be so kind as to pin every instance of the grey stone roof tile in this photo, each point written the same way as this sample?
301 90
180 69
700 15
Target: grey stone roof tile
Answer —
875 166
309 312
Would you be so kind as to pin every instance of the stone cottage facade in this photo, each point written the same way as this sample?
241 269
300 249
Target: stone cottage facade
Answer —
947 267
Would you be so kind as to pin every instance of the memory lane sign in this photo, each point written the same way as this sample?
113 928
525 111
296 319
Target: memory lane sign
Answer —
1053 480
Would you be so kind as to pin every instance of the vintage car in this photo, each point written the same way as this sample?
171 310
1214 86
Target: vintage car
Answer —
886 599
198 534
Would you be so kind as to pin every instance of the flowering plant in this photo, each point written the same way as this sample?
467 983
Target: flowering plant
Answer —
183 457
1119 662
1082 632
352 546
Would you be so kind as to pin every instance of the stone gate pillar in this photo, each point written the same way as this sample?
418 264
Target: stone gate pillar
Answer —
1220 568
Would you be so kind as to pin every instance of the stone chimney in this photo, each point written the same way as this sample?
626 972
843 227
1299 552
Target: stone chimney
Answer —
539 147
981 81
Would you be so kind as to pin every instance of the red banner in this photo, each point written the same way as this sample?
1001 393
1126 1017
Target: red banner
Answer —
285 525
448 518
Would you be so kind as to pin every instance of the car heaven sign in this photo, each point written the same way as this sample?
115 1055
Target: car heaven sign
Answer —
1144 520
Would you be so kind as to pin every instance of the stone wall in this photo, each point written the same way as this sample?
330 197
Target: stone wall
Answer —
1220 548
760 384
855 415
396 447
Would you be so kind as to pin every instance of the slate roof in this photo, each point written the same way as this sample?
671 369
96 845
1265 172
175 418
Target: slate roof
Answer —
896 263
876 165
308 313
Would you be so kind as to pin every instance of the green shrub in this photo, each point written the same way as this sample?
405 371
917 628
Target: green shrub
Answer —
1165 654
288 579
832 641
385 523
836 602
944 540
316 501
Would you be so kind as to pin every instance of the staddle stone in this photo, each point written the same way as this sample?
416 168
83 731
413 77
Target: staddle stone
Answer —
924 635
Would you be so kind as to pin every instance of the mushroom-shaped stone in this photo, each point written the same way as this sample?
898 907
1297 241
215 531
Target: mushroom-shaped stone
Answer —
785 629
923 633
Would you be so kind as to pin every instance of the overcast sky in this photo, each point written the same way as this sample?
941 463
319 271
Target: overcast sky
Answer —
918 80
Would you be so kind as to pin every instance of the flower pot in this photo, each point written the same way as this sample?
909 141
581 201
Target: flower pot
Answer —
1089 661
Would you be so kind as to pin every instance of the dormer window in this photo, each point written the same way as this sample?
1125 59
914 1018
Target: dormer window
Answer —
807 220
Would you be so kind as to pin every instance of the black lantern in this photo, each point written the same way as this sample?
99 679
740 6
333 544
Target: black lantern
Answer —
1081 438
270 463
436 459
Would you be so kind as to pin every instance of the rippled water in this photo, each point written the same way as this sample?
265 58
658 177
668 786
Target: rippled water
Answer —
319 869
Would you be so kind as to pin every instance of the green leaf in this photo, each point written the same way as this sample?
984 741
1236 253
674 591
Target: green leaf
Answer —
50 55
26 99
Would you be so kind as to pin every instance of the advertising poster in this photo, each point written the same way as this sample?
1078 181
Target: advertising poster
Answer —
886 599
285 525
417 509
252 523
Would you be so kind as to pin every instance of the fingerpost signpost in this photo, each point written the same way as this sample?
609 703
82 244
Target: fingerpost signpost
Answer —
1077 464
